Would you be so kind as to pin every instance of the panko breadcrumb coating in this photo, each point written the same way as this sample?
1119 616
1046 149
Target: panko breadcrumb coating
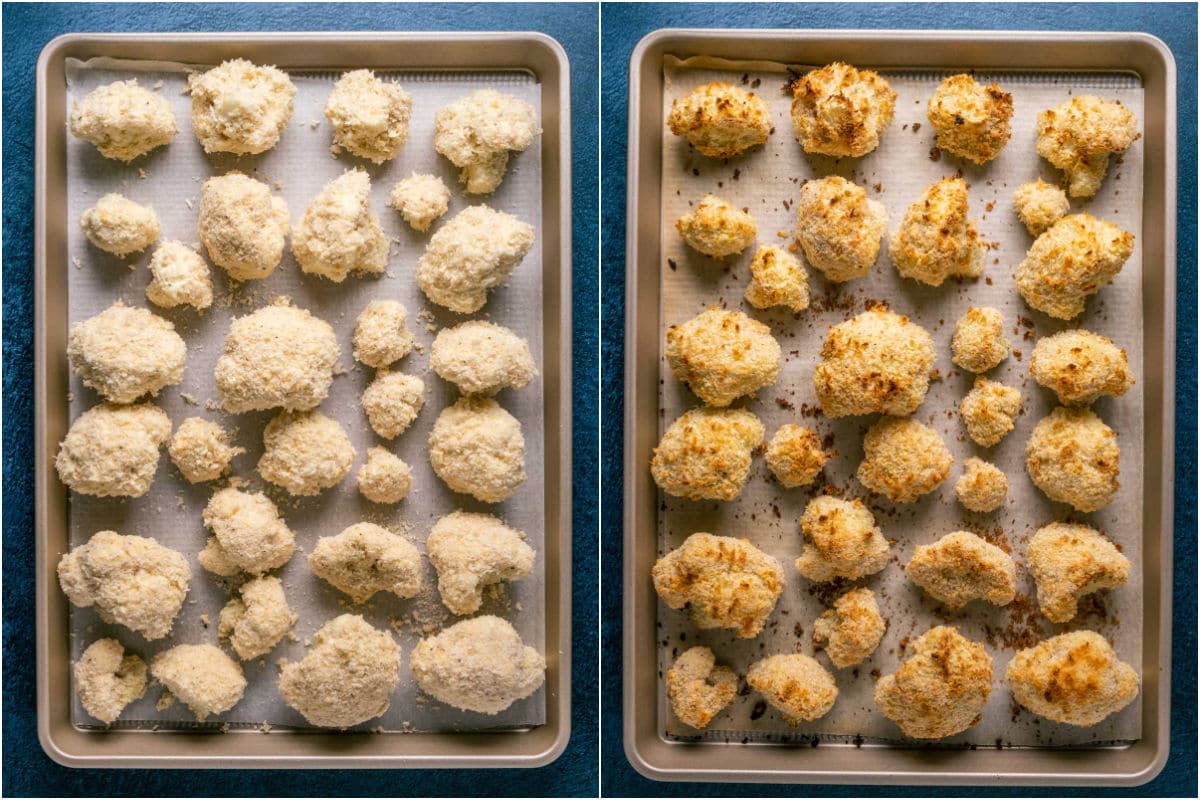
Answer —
381 334
1079 366
971 121
107 679
478 132
392 402
838 110
120 226
979 343
385 478
699 689
482 358
256 618
1074 458
476 447
717 229
238 107
179 277
1071 261
1078 135
200 449
903 459
722 355
990 411
961 567
1074 678
983 487
479 664
472 551
347 677
130 580
124 353
123 120
338 234
369 116
706 453
248 534
841 540
305 452
796 686
839 228
851 630
367 558
720 120
204 678
471 254
937 240
1039 205
1069 561
242 226
420 199
725 583
777 278
795 455
877 362
112 451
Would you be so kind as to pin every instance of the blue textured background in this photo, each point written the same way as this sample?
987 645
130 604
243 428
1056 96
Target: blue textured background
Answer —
27 29
623 25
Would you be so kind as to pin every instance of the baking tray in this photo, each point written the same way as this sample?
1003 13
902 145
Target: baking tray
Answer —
650 751
248 748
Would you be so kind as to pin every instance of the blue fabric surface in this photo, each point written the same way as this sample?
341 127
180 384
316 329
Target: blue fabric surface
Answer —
27 29
623 26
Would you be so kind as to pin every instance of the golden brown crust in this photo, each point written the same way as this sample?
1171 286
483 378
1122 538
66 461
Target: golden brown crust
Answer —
838 110
1040 205
1069 561
795 685
777 278
961 567
1078 135
1074 678
1071 261
698 689
795 455
722 355
983 487
851 630
839 228
720 120
972 121
706 454
1080 366
989 411
716 228
841 540
937 240
903 459
1074 458
979 343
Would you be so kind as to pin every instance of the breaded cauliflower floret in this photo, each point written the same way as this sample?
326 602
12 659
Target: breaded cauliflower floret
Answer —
1039 205
256 618
706 453
242 226
479 665
940 689
477 133
1078 135
120 226
1069 561
366 558
369 116
841 540
720 120
392 402
123 120
979 343
839 228
851 630
124 353
971 121
385 478
203 677
903 459
937 240
238 107
130 580
722 355
476 447
420 199
989 411
838 110
472 551
305 452
179 277
795 455
482 358
1080 366
699 689
961 567
107 680
338 234
381 334
1071 261
112 451
200 449
248 534
797 686
1074 458
725 583
1074 678
717 229
471 254
777 278
983 487
878 362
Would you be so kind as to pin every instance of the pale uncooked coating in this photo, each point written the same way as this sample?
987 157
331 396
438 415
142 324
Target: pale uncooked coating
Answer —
179 277
381 334
971 121
392 402
338 234
112 451
937 240
477 133
421 200
851 630
716 228
482 358
839 228
1074 458
1079 366
123 120
479 665
1074 678
385 478
1039 205
107 679
795 685
903 459
706 453
961 567
1069 561
983 487
841 540
989 411
1078 135
722 355
838 110
1071 261
200 449
256 618
720 120
204 678
471 254
979 343
796 455
238 107
242 226
777 278
472 551
248 534
120 226
476 447
124 353
369 116
699 689
305 452
367 558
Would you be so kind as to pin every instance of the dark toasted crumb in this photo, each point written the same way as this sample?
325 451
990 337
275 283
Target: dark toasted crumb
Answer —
671 263
935 154
916 127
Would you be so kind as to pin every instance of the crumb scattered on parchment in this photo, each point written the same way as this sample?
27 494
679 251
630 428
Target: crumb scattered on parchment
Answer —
165 701
78 264
189 398
265 727
204 620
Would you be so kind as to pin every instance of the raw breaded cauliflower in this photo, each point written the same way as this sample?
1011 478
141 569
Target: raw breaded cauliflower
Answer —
841 540
1078 135
482 358
851 630
1071 261
877 362
1074 458
720 120
1079 366
725 583
123 120
203 677
983 487
305 452
940 689
112 451
471 254
989 411
107 680
1039 205
476 447
381 334
699 689
256 619
200 449
124 353
479 664
839 228
838 110
369 116
385 478
238 107
420 199
717 229
392 402
1074 678
1069 561
961 567
471 552
979 343
777 278
706 453
367 558
477 133
120 226
248 534
338 234
179 277
278 357
242 226
795 455
903 459
130 580
971 121
937 240
722 355
795 685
